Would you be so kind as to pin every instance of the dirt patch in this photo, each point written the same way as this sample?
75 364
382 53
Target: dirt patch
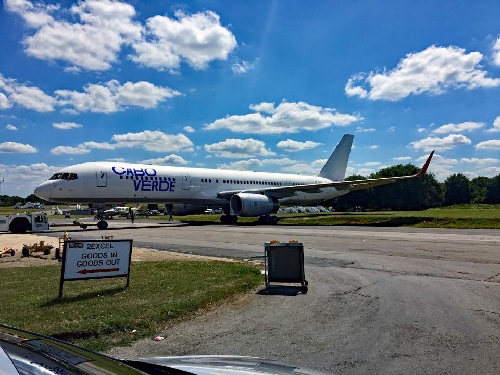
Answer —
16 242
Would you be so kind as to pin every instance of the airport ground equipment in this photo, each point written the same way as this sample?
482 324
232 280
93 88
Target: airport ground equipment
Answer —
284 263
7 250
22 223
37 248
75 223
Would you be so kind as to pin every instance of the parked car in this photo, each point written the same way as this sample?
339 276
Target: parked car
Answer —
25 352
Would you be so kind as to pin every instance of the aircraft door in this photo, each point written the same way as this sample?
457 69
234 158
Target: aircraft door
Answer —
186 182
102 179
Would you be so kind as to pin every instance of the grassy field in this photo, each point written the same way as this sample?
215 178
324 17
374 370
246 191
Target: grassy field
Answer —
460 217
99 314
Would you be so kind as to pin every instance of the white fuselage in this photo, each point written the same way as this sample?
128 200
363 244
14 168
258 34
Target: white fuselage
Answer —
114 182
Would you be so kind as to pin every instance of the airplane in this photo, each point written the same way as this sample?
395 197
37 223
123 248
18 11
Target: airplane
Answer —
186 190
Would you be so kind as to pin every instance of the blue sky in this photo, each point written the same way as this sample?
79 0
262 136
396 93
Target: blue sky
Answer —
258 85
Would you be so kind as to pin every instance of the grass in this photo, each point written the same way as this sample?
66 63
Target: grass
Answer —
472 216
459 217
99 314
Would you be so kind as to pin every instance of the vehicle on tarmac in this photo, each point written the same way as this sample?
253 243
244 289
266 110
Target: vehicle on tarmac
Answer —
22 223
25 352
187 190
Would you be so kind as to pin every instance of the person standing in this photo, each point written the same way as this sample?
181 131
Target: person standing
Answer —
131 214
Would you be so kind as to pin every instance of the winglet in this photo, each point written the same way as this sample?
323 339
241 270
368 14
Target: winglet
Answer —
426 165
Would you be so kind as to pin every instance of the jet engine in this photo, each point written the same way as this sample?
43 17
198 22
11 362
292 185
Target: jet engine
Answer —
247 204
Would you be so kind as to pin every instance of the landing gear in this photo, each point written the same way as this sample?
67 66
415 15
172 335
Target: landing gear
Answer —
228 219
102 224
269 220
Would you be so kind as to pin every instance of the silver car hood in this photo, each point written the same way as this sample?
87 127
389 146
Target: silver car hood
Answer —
228 365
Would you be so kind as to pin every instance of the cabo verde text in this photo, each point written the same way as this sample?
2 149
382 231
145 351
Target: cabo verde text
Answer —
145 185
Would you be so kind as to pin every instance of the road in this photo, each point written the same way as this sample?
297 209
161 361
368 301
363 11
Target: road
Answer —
380 300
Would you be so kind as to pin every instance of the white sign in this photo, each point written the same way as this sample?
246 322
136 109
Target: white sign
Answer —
92 259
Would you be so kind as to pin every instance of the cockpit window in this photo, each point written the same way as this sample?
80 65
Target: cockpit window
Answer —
64 176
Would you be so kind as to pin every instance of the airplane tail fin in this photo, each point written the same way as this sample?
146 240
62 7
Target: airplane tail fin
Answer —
336 166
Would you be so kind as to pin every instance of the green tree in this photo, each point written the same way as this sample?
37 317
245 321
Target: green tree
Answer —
457 190
479 188
493 193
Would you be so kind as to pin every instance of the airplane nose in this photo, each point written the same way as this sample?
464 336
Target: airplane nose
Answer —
43 191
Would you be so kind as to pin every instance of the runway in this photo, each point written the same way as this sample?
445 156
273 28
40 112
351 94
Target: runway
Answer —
380 300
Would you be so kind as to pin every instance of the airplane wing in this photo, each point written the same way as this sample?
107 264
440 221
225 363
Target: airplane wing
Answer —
289 191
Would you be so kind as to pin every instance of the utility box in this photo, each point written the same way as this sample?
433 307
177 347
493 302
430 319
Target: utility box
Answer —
284 263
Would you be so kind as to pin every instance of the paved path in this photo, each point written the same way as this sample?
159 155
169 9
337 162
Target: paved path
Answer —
381 300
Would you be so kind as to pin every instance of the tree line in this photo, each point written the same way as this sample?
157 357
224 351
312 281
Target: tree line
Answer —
419 193
414 194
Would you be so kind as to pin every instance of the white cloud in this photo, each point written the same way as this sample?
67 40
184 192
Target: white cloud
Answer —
21 180
461 127
285 118
92 44
402 158
493 144
294 146
446 143
189 129
16 148
4 102
68 150
10 127
66 125
478 161
255 164
171 159
242 67
239 148
496 52
98 145
360 129
154 141
198 39
434 70
32 98
496 126
373 147
113 97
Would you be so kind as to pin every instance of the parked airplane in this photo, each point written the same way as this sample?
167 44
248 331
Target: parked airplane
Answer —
185 190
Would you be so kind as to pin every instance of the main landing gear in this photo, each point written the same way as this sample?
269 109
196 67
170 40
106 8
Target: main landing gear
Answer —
228 219
267 219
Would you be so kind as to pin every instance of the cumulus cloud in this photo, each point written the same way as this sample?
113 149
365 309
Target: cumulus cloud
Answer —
402 158
66 125
113 97
21 180
285 118
16 148
496 126
155 141
197 39
93 43
456 128
30 97
255 164
239 148
97 31
493 144
294 146
496 52
99 98
434 70
446 143
10 127
171 159
189 129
